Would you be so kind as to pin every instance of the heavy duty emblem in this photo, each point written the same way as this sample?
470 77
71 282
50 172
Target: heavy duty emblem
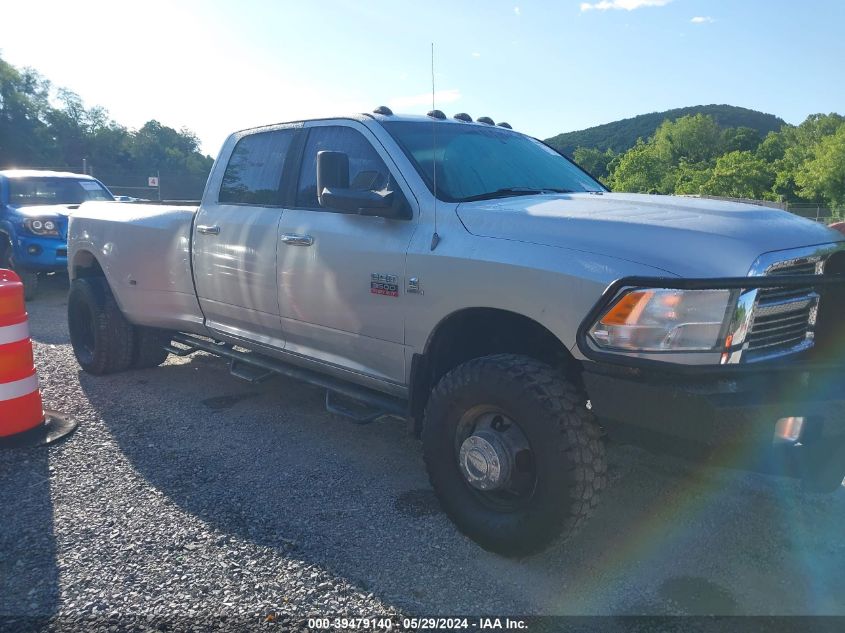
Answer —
387 285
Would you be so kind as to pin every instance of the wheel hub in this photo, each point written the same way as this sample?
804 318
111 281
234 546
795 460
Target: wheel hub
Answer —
485 461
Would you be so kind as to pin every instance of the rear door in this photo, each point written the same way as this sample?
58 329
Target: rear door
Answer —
341 276
236 235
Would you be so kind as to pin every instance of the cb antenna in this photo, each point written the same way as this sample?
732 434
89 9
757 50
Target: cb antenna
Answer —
435 238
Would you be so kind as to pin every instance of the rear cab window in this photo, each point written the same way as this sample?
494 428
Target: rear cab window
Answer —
254 173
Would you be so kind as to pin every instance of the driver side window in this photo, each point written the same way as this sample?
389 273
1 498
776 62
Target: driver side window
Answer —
367 171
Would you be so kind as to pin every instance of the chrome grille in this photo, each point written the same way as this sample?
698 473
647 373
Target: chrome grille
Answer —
802 268
783 318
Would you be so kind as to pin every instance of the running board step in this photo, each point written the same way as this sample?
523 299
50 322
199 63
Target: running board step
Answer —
377 404
187 347
249 372
181 351
355 410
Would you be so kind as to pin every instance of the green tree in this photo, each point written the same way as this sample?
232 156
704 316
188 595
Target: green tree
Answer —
773 147
823 176
800 143
24 100
594 161
642 169
739 175
742 139
690 178
692 138
69 126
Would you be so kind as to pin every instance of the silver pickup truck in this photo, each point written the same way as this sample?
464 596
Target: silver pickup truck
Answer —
475 282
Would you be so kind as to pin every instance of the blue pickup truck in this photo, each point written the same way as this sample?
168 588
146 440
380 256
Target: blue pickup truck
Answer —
34 208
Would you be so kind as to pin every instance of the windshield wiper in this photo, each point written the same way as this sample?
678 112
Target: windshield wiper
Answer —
513 191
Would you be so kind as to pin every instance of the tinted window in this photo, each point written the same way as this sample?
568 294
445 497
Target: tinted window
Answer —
479 160
254 172
366 169
50 190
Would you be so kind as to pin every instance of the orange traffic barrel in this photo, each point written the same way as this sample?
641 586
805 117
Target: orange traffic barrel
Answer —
839 226
23 421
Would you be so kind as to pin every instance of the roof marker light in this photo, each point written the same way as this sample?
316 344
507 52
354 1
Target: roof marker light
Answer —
463 116
435 114
506 125
383 110
485 119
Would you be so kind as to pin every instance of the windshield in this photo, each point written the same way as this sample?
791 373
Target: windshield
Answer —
475 162
25 192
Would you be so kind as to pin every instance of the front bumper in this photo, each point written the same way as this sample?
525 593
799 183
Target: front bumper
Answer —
42 254
732 408
729 418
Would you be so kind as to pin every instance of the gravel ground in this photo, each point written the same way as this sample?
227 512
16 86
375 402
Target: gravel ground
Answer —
186 493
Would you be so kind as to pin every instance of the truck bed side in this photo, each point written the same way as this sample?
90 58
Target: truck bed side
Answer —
144 250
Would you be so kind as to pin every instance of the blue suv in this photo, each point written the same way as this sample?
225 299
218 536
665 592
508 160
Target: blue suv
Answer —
34 208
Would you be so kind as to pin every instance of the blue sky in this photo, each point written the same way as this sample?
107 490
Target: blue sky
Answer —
546 67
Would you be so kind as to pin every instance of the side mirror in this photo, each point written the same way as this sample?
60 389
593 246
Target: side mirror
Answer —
333 191
332 172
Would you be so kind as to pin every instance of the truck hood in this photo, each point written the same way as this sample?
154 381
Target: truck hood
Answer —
46 210
689 237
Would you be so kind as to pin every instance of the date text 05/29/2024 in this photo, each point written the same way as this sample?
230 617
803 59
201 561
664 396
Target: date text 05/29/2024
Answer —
417 624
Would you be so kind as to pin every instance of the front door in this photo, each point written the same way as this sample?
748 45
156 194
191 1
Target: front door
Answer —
235 240
341 276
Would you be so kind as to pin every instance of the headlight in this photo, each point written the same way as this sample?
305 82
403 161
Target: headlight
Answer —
662 320
40 226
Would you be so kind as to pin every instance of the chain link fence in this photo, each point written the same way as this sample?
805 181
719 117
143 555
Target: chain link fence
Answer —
811 210
137 184
817 212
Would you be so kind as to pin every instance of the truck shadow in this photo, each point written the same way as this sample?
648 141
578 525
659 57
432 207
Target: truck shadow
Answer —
29 576
265 463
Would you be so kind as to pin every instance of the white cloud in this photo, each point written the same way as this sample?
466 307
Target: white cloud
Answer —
627 5
702 20
476 54
424 99
517 10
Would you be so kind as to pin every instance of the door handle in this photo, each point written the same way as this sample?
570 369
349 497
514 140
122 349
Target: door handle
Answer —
206 229
292 239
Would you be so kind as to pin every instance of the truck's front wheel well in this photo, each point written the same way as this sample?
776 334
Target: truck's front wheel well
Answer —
85 265
477 332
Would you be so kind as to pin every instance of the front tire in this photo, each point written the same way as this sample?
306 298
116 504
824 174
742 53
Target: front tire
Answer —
30 283
103 340
513 453
28 277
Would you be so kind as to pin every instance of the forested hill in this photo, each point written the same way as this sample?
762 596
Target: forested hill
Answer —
620 136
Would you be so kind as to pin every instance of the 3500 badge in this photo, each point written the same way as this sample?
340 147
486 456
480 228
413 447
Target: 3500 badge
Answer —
387 285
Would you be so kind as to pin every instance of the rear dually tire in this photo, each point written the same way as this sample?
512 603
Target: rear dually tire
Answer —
103 340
